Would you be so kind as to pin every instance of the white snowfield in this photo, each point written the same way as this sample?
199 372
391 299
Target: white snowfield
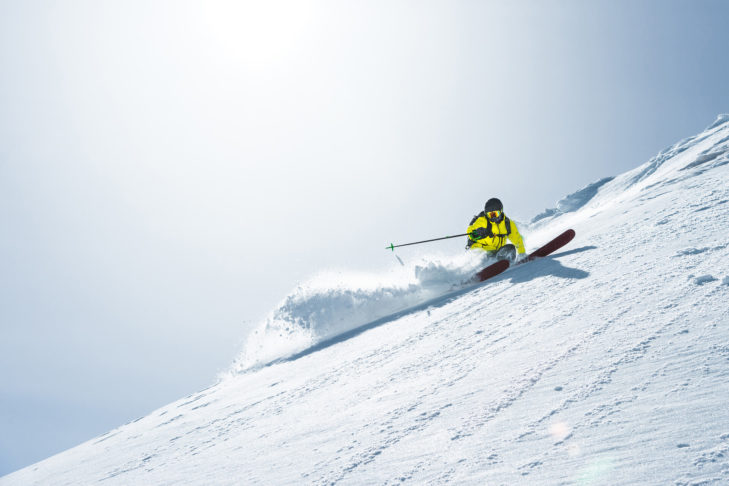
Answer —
605 363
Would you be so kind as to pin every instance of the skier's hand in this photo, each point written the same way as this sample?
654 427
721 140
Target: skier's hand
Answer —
521 257
479 234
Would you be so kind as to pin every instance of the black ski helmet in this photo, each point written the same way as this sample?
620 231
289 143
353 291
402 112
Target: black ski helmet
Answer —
493 204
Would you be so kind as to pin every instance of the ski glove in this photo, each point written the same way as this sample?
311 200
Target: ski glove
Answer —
479 234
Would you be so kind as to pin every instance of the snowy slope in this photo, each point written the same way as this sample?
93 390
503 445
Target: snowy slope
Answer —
607 363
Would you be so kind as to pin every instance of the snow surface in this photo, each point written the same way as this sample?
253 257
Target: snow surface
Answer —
606 363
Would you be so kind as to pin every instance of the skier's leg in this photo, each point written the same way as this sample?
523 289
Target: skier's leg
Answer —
507 252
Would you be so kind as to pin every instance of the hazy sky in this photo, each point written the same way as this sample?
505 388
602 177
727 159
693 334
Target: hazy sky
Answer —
169 170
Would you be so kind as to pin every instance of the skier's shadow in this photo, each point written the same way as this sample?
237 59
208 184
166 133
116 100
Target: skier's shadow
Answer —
576 250
548 266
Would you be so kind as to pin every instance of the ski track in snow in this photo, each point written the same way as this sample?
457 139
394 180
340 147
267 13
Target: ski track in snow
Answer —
607 363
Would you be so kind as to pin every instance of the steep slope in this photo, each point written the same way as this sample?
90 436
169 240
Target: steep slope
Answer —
607 363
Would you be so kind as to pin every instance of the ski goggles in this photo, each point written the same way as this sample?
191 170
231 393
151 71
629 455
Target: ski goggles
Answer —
494 214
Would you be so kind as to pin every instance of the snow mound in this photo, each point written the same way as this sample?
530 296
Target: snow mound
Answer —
720 120
574 201
334 303
578 199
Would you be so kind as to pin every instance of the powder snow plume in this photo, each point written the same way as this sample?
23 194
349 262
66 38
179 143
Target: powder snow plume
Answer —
333 303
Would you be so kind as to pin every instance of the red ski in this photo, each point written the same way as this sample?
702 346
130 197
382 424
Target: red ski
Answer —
502 265
552 246
492 270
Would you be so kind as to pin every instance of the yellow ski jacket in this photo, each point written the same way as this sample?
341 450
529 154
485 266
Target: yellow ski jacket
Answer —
499 231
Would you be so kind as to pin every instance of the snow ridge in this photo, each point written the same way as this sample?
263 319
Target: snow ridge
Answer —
707 150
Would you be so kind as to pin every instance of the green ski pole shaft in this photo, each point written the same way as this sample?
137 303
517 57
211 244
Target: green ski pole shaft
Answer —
392 246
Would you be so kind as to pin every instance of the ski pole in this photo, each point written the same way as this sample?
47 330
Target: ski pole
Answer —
392 247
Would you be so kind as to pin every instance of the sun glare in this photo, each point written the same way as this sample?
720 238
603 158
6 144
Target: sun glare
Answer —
256 34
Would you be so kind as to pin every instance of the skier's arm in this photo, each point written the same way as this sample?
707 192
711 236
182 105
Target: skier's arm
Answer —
477 224
515 238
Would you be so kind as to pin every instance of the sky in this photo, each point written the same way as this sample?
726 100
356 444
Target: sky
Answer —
170 170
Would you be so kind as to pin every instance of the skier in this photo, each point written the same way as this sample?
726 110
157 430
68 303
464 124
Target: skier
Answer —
489 231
